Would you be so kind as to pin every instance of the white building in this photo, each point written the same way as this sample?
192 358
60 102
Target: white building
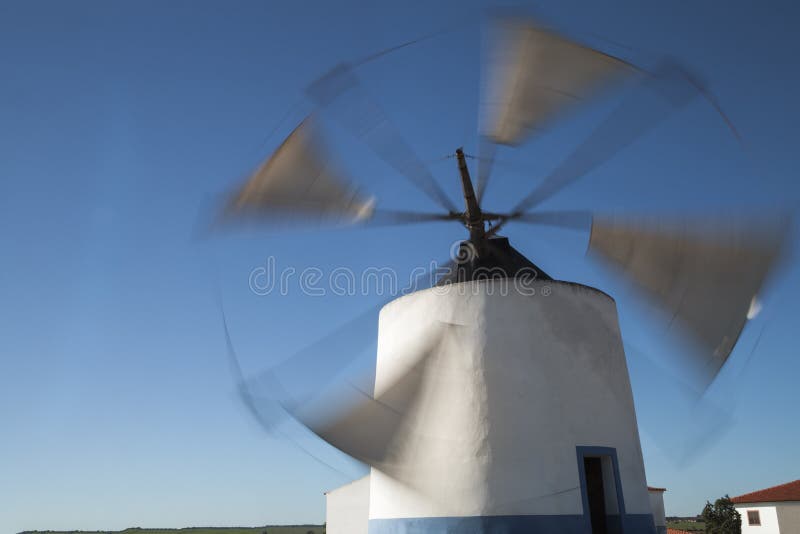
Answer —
347 508
657 506
774 510
525 420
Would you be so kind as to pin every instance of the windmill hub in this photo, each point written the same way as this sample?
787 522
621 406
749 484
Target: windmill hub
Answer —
485 255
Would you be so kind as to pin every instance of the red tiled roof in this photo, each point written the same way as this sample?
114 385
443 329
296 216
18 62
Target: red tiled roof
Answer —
674 531
785 492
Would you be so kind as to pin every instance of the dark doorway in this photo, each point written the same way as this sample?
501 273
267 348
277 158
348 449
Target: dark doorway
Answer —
593 467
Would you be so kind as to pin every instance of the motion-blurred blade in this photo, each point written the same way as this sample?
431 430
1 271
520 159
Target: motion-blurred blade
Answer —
704 274
364 426
531 74
340 92
283 388
265 418
660 94
298 182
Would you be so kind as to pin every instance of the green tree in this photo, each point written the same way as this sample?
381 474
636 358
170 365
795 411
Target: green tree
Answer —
721 517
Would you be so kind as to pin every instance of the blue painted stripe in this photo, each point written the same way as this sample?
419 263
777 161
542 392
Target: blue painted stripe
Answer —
504 524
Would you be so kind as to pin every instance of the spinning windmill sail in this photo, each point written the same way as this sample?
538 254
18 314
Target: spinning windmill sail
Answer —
366 426
705 280
298 181
533 74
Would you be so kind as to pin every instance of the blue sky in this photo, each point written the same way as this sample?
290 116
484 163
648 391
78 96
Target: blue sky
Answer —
122 122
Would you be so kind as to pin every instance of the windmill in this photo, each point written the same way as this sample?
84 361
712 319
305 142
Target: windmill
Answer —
512 411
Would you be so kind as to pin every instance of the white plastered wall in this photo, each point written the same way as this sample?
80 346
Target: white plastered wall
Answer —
347 508
519 382
767 514
788 516
659 515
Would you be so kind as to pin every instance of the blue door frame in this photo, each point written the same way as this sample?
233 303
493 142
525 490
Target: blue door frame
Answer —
584 451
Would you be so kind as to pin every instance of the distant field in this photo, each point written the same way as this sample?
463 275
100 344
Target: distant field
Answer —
690 526
289 529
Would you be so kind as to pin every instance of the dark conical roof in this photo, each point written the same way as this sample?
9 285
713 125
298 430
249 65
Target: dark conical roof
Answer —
496 259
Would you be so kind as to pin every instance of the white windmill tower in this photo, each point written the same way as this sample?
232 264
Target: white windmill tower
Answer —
502 401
